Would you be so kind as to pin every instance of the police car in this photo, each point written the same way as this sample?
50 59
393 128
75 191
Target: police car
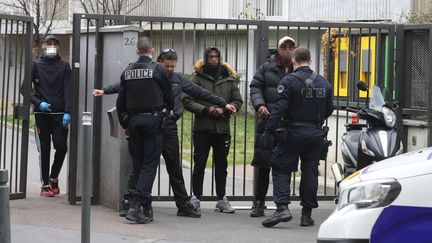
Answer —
389 201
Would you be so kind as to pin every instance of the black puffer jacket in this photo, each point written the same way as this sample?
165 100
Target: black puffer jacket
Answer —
263 91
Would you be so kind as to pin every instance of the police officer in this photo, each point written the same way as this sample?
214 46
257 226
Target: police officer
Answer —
304 101
51 100
145 92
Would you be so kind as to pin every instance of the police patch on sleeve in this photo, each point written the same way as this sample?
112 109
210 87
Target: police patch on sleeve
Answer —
280 88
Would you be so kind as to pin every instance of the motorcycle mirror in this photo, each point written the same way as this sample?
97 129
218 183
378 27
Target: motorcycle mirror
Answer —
361 85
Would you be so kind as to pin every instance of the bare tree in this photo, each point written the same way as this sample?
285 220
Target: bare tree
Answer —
43 13
111 6
423 17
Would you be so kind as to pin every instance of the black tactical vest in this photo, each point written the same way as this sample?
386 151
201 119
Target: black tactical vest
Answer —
143 92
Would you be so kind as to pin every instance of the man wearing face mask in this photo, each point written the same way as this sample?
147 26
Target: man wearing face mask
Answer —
212 124
263 93
51 99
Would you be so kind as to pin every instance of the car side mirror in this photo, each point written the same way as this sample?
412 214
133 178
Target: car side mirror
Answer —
361 85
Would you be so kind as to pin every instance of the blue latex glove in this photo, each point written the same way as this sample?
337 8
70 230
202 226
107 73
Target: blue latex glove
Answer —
66 119
43 106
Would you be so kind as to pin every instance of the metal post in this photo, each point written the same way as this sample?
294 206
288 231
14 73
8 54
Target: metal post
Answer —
87 177
5 235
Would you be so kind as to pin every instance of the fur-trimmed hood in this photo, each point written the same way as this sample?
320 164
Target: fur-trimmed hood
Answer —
198 67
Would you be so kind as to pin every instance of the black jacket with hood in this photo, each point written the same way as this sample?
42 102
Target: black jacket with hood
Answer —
51 80
263 91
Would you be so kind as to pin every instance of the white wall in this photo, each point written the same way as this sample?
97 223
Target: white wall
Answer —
312 10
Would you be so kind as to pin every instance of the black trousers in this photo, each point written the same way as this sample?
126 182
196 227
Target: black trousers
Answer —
145 147
170 153
50 126
202 144
305 143
262 180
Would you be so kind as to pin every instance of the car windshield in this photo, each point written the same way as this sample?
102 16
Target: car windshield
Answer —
377 100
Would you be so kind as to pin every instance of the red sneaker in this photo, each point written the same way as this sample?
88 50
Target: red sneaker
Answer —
54 186
46 191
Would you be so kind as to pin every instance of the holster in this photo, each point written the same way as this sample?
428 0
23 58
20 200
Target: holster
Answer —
326 144
281 135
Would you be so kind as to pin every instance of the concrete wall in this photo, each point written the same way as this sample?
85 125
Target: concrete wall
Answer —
115 162
419 6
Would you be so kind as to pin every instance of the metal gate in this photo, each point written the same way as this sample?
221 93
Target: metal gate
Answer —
15 74
343 53
415 72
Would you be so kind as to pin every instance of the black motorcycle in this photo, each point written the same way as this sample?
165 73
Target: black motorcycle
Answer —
376 140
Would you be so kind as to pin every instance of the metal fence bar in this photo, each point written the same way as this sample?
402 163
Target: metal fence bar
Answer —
194 44
390 65
337 84
6 100
97 107
3 101
245 104
26 104
348 73
369 71
400 39
359 50
19 101
86 74
73 137
14 103
429 140
159 166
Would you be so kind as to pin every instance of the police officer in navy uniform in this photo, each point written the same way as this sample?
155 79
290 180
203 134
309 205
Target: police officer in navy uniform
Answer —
145 92
304 102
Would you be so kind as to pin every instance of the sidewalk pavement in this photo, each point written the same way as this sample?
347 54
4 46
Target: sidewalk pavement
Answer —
53 220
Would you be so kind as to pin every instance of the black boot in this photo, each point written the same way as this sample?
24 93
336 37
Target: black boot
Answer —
306 219
282 214
126 202
136 214
258 209
124 207
148 209
187 210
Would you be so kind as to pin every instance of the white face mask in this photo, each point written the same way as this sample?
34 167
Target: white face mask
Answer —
51 51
